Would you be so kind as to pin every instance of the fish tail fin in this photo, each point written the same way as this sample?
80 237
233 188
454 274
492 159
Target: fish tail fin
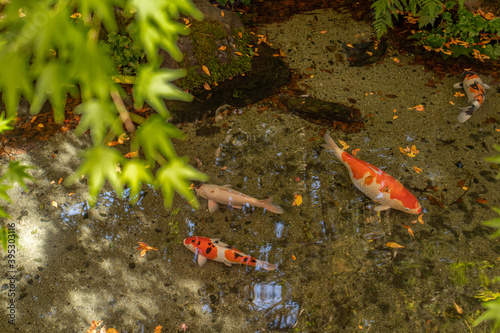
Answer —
331 145
467 112
268 204
265 265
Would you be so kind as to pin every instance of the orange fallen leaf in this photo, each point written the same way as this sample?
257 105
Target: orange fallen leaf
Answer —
222 13
76 16
53 203
394 245
369 53
297 179
481 200
344 145
113 143
157 329
322 32
238 53
396 60
417 169
40 125
222 48
355 151
421 219
349 45
70 194
409 230
458 308
294 257
459 94
207 86
205 69
298 200
145 248
59 182
419 107
224 168
131 154
112 330
452 103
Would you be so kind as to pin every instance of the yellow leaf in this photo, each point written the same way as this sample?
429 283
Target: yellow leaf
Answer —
298 200
458 308
158 329
205 69
207 86
131 154
144 248
355 151
76 16
396 60
419 107
40 125
452 103
349 45
417 169
240 34
112 330
420 219
222 13
394 245
322 32
222 48
344 145
294 257
53 203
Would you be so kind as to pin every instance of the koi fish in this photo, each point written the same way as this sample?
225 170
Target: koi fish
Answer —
214 249
474 89
226 195
375 183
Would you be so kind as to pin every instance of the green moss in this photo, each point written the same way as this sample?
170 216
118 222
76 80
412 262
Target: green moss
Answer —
207 37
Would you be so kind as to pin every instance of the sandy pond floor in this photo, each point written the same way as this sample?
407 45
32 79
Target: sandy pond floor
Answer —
335 273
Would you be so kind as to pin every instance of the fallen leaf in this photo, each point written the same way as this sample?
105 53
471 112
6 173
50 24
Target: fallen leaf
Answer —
112 330
459 94
131 154
297 179
70 194
145 248
158 329
113 143
224 168
238 53
207 86
417 169
60 180
222 13
355 151
76 16
435 201
344 145
394 245
409 230
294 257
298 200
481 200
53 203
349 45
420 219
458 308
461 183
222 48
322 32
205 69
419 107
452 103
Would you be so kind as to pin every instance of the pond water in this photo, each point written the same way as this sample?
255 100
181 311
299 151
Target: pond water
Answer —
335 272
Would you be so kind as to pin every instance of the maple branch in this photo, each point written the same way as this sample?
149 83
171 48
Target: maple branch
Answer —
122 111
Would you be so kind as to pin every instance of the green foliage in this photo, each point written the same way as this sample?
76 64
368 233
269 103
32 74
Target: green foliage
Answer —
232 2
493 306
459 31
127 56
52 49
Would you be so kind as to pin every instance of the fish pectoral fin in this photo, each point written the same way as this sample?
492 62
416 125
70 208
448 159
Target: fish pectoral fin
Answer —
228 264
381 207
227 186
458 85
212 206
236 206
201 260
486 86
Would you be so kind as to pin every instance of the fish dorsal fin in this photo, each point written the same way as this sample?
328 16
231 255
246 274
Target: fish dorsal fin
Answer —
201 259
381 207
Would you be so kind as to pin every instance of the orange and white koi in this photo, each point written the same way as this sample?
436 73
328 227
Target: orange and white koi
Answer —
474 89
375 183
226 195
214 249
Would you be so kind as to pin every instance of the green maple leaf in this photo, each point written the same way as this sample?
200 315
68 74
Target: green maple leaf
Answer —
494 223
100 164
15 79
492 313
4 122
157 26
175 177
16 173
4 196
98 116
153 85
103 9
54 84
155 136
135 173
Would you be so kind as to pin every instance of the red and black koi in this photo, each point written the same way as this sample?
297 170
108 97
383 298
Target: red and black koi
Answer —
214 249
475 90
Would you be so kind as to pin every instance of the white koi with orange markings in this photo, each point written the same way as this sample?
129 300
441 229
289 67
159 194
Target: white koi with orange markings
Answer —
214 249
475 90
227 196
375 183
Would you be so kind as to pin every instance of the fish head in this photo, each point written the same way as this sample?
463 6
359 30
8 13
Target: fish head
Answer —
467 74
201 191
409 206
190 243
